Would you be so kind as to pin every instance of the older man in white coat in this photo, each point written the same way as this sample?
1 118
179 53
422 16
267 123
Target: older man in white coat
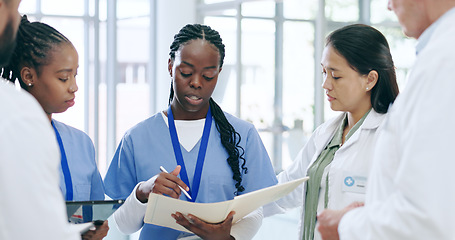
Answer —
411 190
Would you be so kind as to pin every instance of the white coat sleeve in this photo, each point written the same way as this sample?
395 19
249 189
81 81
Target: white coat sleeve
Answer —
129 218
419 202
296 170
31 203
248 226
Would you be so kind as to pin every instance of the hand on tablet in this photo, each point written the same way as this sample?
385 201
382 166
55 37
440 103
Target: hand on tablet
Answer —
98 233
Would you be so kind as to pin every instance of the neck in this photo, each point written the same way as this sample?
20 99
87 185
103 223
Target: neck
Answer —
50 117
354 117
439 8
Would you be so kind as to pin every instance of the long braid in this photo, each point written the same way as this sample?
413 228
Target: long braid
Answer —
34 44
230 139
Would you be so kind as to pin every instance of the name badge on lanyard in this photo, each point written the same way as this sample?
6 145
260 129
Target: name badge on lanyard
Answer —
194 189
65 167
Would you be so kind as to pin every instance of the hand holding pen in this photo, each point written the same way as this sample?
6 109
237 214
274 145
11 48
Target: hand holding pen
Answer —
164 183
183 190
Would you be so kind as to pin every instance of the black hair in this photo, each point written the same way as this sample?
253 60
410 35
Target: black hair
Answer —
366 49
34 44
230 139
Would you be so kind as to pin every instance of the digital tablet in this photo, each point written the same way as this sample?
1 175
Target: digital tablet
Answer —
91 211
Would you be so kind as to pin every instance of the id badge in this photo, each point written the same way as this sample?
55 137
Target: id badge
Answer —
354 183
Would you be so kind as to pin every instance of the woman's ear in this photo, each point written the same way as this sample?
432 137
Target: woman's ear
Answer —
28 76
372 79
170 64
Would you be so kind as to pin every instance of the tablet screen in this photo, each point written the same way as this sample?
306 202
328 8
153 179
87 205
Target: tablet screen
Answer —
91 211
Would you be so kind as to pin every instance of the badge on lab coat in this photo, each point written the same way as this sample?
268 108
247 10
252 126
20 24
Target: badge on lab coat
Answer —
354 183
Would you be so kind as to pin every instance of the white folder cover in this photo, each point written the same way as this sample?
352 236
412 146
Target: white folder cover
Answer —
160 208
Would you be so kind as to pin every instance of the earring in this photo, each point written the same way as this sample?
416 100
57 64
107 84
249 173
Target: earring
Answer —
367 89
29 84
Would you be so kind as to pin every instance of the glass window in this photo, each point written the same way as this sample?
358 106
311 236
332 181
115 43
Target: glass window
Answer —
298 86
258 9
298 9
59 7
133 93
379 12
27 6
342 10
258 74
225 91
214 1
132 8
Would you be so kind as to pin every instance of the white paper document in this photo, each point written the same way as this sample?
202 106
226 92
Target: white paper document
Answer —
160 208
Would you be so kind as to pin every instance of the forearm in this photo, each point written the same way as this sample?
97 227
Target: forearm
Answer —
130 216
248 226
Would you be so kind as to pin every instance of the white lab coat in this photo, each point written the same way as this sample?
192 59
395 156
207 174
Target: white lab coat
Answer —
31 203
411 191
351 160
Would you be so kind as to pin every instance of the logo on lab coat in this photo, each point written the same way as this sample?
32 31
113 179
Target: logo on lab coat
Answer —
354 182
349 181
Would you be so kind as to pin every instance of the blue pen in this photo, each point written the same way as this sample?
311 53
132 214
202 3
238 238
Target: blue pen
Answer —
183 190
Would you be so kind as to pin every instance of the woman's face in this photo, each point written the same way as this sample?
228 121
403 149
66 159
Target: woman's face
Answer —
194 73
55 86
345 88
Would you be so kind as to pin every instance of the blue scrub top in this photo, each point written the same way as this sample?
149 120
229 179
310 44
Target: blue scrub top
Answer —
80 154
147 146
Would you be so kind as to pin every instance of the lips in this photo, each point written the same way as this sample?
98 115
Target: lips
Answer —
330 98
193 99
70 102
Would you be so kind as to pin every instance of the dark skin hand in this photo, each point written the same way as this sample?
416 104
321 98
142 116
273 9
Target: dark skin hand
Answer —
165 184
98 234
207 231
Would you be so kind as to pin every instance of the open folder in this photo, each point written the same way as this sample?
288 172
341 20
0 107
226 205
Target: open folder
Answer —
160 208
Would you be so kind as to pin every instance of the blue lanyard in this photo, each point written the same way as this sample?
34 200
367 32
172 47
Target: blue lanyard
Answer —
65 167
194 189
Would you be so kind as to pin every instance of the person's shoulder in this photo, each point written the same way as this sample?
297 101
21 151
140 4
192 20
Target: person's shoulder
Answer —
18 103
237 121
64 128
149 123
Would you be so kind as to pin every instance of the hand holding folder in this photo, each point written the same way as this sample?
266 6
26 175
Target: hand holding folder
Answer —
160 208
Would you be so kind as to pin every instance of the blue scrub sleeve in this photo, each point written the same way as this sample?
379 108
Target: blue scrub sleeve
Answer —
121 176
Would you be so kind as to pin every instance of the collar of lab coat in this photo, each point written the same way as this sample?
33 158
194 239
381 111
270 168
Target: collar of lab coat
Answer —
328 129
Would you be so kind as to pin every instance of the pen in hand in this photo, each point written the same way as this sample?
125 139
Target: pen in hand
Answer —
183 190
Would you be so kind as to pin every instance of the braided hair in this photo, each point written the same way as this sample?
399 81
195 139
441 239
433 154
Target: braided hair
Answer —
35 42
230 139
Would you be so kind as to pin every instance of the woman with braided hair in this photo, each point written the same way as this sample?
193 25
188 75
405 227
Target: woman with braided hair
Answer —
45 64
213 162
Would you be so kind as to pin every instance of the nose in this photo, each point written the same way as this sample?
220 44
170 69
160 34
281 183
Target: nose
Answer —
326 84
73 87
195 81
